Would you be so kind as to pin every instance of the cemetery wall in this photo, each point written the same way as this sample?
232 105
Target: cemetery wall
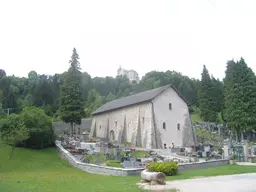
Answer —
91 168
203 165
60 126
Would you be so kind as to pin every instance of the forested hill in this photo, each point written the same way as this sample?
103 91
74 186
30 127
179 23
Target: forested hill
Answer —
234 98
44 91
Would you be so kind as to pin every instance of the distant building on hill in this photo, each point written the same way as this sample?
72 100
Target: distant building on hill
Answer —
132 75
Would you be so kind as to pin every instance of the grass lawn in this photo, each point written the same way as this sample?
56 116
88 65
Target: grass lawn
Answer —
44 171
196 118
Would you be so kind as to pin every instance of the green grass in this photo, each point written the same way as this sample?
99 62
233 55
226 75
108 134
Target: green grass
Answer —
196 118
44 171
114 163
139 154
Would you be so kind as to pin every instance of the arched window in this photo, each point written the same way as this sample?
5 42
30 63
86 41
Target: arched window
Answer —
112 135
178 126
164 125
170 106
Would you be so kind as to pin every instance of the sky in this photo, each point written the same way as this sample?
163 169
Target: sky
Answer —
144 35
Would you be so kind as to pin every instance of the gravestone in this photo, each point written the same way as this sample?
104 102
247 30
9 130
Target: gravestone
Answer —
118 154
127 164
96 159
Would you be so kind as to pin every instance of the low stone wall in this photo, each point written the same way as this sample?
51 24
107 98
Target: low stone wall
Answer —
104 170
202 165
91 168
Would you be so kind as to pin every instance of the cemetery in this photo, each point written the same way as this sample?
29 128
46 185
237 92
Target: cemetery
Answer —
110 158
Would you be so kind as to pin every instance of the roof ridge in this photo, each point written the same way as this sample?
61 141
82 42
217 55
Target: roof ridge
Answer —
137 98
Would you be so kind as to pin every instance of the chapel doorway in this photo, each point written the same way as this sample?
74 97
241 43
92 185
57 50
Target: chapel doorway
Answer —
112 136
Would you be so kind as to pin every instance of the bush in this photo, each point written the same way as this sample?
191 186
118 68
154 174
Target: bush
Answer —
39 126
168 168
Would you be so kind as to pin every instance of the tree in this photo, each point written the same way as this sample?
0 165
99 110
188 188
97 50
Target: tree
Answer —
207 102
94 101
13 131
39 126
71 109
240 97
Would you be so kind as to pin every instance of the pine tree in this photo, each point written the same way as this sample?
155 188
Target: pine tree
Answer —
71 109
240 97
207 101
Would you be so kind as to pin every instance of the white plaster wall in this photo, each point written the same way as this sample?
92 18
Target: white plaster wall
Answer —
132 113
177 115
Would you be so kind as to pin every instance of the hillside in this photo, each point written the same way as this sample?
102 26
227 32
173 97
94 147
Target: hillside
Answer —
44 171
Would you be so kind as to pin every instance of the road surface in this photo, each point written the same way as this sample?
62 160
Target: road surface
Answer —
230 183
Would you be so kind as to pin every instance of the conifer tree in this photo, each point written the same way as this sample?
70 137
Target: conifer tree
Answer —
240 97
207 101
71 109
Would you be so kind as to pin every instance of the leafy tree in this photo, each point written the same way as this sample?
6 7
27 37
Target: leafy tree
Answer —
13 131
207 101
95 100
240 97
71 109
39 126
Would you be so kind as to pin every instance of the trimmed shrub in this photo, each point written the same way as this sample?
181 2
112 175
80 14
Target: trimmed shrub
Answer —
168 168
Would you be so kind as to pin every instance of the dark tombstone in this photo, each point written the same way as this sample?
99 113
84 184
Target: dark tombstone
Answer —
118 154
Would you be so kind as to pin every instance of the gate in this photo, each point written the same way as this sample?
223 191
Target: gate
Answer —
239 152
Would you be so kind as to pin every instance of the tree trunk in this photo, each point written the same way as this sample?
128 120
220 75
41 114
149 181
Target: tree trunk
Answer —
242 135
12 152
153 176
236 136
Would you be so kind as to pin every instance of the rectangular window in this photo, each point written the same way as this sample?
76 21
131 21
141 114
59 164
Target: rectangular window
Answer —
143 119
170 106
164 125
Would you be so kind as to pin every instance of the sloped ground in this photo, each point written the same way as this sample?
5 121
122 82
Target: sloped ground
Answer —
44 171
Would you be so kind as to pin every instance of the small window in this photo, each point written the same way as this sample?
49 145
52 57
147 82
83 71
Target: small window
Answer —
79 131
143 119
178 126
115 123
164 125
100 126
170 106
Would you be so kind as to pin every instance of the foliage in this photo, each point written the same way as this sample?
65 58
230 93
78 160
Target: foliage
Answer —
139 154
73 94
168 168
114 163
207 98
13 131
71 108
240 96
39 126
204 135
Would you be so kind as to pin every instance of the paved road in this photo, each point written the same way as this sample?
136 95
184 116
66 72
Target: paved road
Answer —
231 183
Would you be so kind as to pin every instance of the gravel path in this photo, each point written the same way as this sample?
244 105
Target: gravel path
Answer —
230 183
